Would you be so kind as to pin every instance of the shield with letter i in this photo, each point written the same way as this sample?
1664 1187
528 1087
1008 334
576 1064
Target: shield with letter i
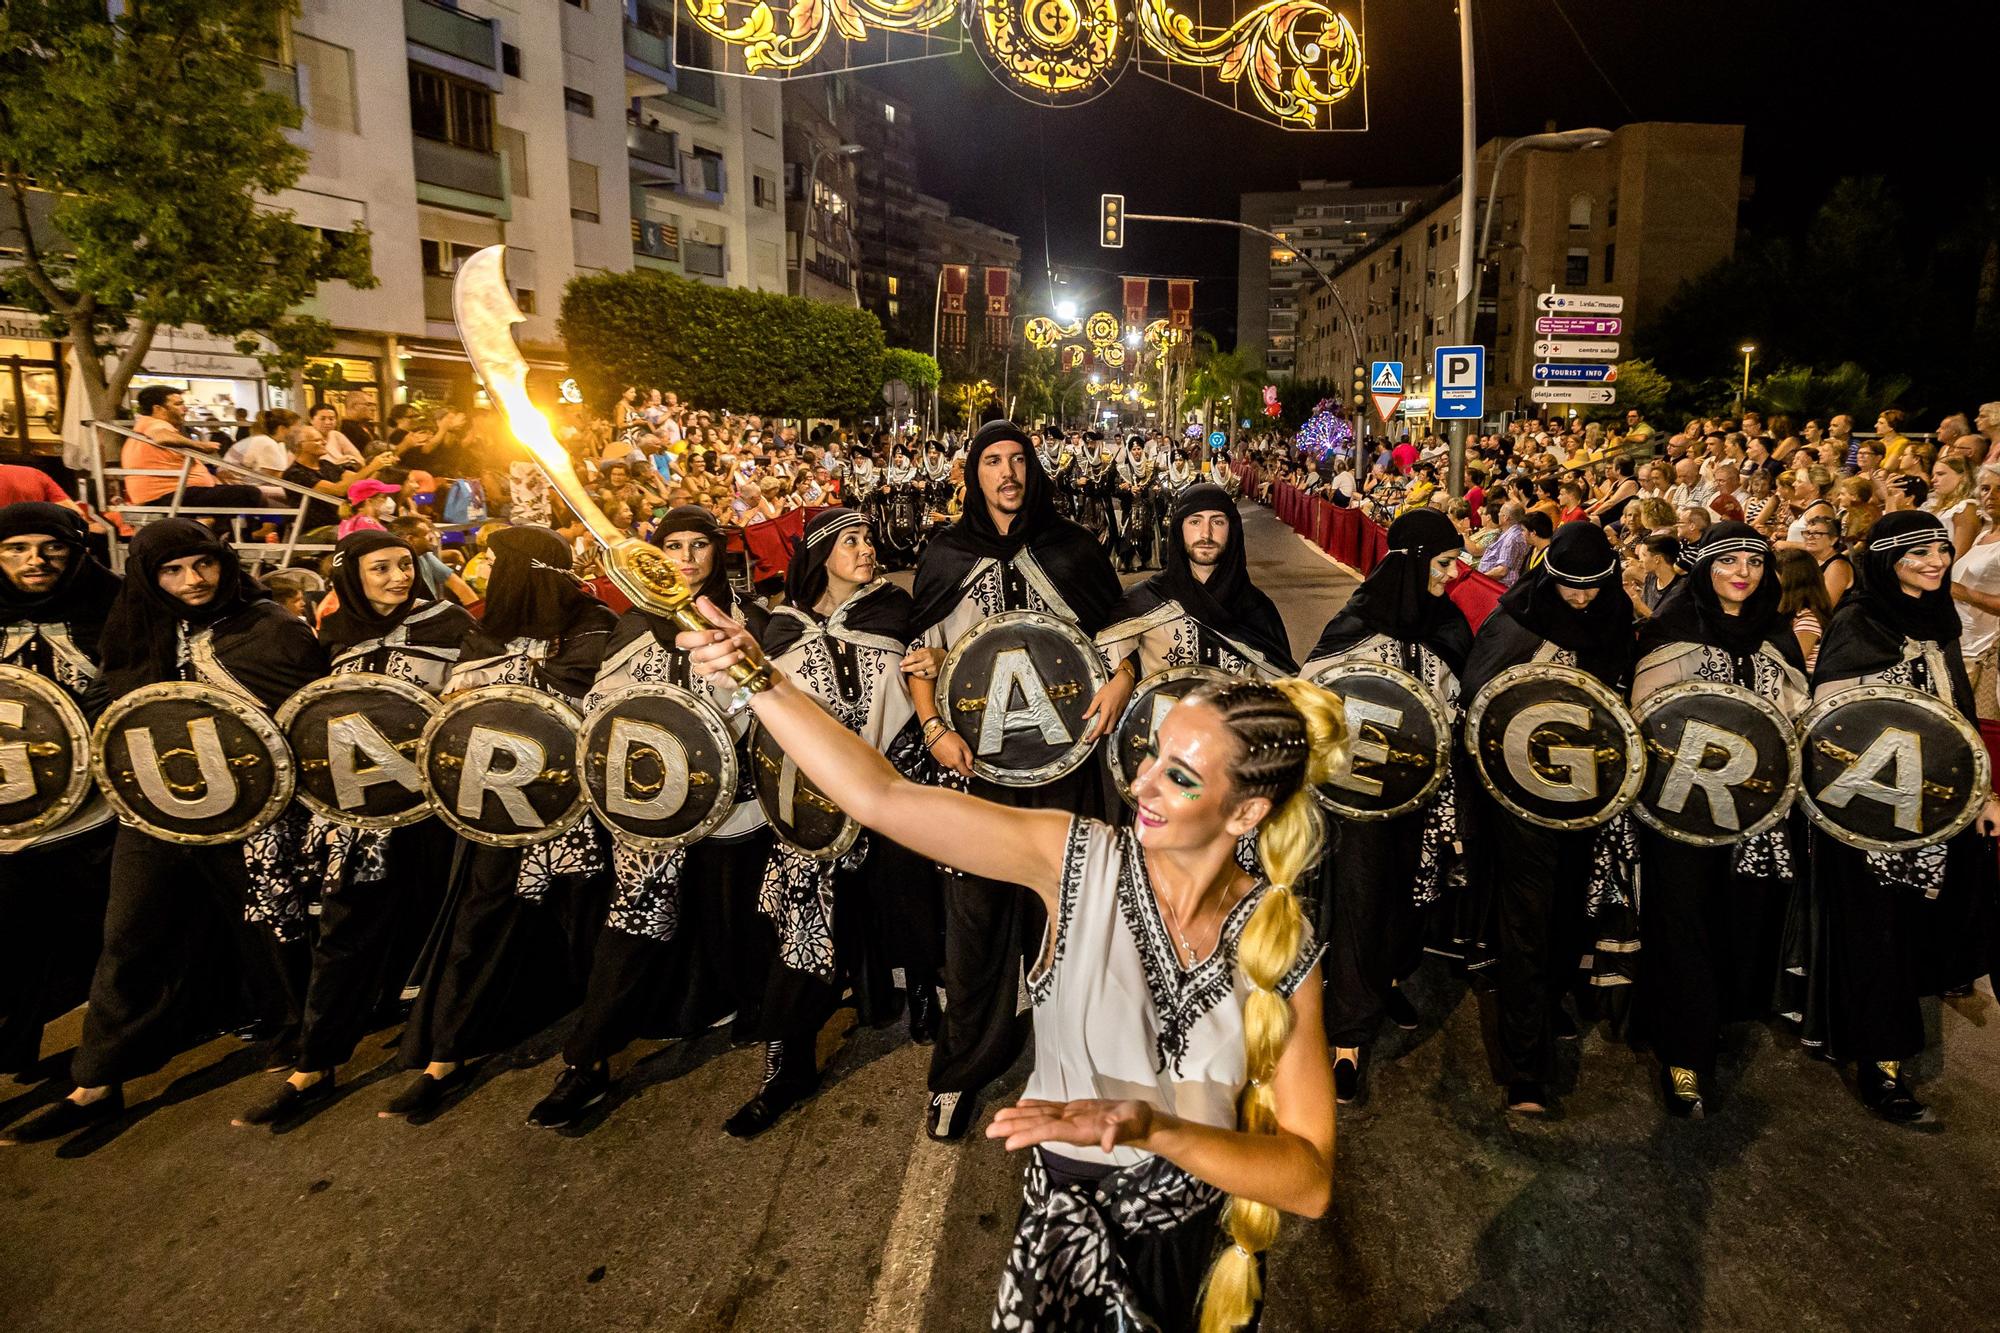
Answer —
1151 701
1722 763
1555 746
354 738
802 817
1016 687
501 765
189 763
1398 741
658 765
44 754
1886 768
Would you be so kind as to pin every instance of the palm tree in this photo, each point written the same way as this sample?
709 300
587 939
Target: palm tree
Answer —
1219 376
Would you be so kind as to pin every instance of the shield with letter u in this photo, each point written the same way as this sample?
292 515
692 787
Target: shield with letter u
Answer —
189 763
659 765
1016 687
1154 697
501 765
1555 746
44 754
1887 768
354 739
1722 763
801 816
1398 741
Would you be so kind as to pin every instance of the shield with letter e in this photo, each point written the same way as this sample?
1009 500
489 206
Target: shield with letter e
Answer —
189 763
501 765
1887 768
1722 763
354 738
1016 687
44 754
1152 699
1398 741
1555 746
659 765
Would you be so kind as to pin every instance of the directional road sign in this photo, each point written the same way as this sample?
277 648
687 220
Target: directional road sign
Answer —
1565 326
1460 373
1563 373
1569 303
1553 349
1385 377
1574 393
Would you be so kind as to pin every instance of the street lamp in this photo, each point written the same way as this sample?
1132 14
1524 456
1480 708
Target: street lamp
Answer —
805 213
1749 350
1131 337
1066 311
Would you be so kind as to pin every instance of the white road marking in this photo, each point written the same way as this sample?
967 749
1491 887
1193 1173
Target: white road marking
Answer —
897 1303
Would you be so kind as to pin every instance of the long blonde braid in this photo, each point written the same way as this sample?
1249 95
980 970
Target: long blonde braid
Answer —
1293 736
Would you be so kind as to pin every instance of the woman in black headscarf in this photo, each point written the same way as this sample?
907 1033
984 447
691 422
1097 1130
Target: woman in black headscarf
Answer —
1571 610
1712 918
1894 926
1384 874
510 953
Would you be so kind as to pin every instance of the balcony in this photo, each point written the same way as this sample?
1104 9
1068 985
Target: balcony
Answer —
463 169
451 32
655 154
437 299
698 89
703 177
701 258
651 46
656 240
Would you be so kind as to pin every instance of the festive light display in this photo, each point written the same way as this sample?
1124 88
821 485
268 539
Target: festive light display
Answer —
753 41
1102 329
1043 332
1325 431
1295 58
1053 51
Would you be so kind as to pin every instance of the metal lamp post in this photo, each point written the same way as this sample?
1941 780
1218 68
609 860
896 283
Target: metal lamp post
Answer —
805 213
1743 398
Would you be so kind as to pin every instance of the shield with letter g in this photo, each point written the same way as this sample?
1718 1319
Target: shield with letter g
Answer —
1555 746
44 754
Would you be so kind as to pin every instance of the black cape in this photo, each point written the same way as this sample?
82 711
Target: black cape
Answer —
83 593
1533 612
1395 598
1228 605
1866 633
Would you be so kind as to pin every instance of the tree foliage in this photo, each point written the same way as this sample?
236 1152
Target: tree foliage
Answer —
1804 394
919 370
1641 385
719 346
136 143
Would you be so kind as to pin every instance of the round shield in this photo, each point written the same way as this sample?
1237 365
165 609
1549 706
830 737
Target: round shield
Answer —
1016 687
659 765
1886 768
501 765
1555 746
354 740
1398 741
801 816
44 754
189 763
1722 763
1140 722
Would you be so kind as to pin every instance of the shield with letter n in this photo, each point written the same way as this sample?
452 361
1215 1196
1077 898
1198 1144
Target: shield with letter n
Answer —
1555 746
354 740
189 763
1016 687
44 754
1151 701
801 816
1398 741
1887 768
1722 763
658 765
501 765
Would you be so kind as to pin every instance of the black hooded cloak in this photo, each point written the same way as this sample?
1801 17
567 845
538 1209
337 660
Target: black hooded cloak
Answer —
1533 612
357 635
75 608
881 608
1868 629
1395 599
1692 613
533 593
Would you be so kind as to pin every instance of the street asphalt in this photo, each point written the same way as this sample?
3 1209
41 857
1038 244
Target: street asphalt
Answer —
1789 1208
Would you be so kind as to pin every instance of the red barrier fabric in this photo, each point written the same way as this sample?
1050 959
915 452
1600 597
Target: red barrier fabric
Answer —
770 543
1476 594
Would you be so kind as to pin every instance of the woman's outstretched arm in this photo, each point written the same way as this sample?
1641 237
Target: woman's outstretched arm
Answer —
978 837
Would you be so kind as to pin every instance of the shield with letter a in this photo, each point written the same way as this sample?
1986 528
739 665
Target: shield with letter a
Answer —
1887 768
1151 701
1722 763
659 765
501 765
1555 746
1398 741
801 816
189 763
1016 687
354 739
44 754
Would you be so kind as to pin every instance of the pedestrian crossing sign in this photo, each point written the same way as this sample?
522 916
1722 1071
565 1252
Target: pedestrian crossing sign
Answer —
1385 377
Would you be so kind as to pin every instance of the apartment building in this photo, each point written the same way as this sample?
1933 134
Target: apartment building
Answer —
1325 222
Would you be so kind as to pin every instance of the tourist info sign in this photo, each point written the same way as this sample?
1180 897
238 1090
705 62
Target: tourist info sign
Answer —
1584 326
1556 349
1558 372
1574 393
1572 303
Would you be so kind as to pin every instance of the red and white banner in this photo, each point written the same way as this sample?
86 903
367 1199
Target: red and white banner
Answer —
999 307
1137 295
951 306
1180 303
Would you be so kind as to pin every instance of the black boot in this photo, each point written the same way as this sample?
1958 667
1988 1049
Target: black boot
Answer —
66 1117
1680 1091
576 1091
923 1001
1883 1090
790 1076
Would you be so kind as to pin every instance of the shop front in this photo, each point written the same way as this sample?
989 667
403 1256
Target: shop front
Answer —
31 392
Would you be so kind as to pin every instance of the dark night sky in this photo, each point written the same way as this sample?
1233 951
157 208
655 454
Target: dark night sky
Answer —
1825 90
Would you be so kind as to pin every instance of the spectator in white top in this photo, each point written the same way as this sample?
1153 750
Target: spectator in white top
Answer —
1689 491
262 452
339 449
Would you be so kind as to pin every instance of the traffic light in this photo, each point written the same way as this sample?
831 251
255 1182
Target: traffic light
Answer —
1111 221
1360 387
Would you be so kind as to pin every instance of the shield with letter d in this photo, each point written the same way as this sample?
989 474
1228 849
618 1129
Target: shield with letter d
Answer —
1151 701
354 739
1016 687
501 765
44 754
658 765
1722 763
801 816
1887 768
1398 741
1555 746
189 763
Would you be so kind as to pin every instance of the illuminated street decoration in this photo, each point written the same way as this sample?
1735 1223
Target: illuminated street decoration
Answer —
1295 58
1102 329
1043 332
755 39
1053 51
1112 355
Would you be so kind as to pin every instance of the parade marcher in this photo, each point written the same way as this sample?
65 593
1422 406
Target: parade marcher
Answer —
509 954
1131 484
1892 926
189 611
1384 874
1166 986
1712 918
382 888
54 597
1571 610
1010 551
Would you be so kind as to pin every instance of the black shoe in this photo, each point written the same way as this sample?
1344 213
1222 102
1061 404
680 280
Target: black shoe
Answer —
575 1092
1680 1091
1346 1081
66 1117
1562 1025
256 1030
1883 1091
1400 1011
949 1115
923 1014
287 1102
427 1093
1527 1098
767 1108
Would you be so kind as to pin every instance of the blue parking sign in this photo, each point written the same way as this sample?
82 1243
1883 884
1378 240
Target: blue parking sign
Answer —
1459 376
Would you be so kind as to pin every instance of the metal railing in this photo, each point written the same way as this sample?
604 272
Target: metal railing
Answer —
452 31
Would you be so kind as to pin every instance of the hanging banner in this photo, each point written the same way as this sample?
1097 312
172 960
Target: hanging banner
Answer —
999 307
1180 303
951 306
1137 294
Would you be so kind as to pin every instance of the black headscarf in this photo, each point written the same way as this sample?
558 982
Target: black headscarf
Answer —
694 518
805 577
1692 613
532 592
1228 604
975 527
880 608
1867 630
1396 599
83 593
354 618
141 634
1533 610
